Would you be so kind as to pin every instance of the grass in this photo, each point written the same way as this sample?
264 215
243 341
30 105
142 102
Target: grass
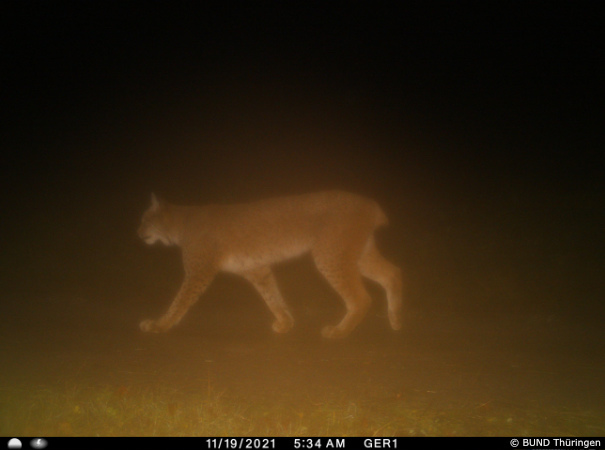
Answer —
141 411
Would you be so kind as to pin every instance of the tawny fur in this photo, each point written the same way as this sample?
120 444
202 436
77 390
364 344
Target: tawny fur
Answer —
335 227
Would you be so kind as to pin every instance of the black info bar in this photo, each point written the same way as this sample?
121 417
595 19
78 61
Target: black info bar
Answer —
301 443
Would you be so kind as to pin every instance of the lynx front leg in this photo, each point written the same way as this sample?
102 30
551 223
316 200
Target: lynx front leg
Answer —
194 285
263 280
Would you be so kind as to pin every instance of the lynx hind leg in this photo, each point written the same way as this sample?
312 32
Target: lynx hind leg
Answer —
266 285
376 268
343 274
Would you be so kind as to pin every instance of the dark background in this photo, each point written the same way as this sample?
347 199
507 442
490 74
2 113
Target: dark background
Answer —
478 129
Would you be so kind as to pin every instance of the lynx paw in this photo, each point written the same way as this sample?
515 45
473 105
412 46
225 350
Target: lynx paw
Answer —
150 326
333 332
395 320
282 326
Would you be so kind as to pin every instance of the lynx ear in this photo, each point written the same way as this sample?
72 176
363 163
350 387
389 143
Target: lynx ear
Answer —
155 202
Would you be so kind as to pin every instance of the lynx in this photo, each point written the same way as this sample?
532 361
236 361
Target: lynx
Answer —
335 227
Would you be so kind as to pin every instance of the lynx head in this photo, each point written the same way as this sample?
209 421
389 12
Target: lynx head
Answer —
154 224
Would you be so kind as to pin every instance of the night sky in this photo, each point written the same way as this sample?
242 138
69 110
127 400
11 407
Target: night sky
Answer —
479 130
